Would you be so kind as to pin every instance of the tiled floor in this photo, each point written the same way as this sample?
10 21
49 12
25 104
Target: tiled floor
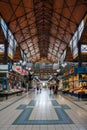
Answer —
43 111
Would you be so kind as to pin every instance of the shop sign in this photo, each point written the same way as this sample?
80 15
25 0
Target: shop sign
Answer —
80 70
17 68
5 67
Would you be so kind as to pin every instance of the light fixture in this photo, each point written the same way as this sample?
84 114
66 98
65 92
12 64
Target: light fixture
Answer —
29 68
20 61
26 68
58 70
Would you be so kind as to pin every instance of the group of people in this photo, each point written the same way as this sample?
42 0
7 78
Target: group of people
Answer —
39 88
54 89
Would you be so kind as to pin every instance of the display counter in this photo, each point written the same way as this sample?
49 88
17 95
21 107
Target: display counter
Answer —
7 93
75 84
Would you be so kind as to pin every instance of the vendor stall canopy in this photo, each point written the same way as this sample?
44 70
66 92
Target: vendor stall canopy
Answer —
43 28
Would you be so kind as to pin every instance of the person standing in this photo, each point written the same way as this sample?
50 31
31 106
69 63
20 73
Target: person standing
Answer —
40 88
37 88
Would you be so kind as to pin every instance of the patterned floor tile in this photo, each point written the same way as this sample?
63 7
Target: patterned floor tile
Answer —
23 119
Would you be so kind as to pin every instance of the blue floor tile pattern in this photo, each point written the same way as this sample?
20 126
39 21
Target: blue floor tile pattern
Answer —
23 118
22 106
32 103
54 103
51 96
65 106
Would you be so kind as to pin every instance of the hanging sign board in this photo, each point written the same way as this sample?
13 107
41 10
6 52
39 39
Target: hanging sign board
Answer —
5 67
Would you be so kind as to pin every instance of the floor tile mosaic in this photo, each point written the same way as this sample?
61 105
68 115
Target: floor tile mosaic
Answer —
39 111
23 118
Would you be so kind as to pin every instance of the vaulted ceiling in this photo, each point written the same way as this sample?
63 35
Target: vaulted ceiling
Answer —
43 28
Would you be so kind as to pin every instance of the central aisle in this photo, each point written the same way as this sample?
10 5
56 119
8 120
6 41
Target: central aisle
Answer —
39 111
43 110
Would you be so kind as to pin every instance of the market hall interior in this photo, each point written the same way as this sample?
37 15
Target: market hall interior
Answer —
43 64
